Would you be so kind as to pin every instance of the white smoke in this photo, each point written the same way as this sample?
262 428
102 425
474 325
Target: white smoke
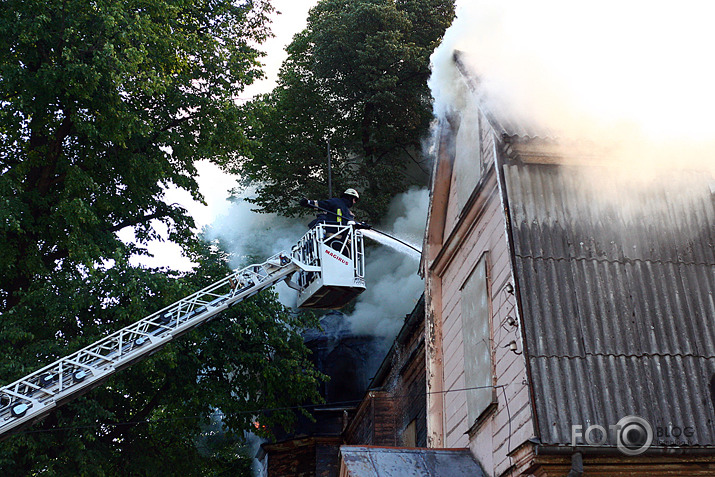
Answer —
624 82
393 286
574 64
250 237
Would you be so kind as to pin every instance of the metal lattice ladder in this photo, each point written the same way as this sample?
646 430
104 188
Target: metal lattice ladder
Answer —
36 394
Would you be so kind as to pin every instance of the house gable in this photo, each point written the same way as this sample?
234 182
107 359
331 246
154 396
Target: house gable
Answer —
466 228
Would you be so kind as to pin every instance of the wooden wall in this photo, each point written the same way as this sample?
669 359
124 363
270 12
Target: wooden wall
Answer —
468 233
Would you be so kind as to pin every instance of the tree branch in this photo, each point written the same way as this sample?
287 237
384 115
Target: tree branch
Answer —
139 417
139 220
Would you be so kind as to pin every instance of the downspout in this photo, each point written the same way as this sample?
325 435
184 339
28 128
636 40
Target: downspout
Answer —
576 465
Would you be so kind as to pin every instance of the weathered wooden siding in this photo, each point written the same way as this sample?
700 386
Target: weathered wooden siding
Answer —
487 236
470 232
508 427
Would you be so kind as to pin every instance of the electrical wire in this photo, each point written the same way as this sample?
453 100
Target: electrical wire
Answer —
508 414
288 408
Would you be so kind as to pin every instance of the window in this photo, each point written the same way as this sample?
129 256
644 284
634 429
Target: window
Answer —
468 162
476 335
409 435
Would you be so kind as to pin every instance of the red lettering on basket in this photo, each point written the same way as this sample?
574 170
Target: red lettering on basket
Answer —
336 256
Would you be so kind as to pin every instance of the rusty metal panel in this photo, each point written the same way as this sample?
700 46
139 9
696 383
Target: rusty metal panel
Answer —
618 309
366 461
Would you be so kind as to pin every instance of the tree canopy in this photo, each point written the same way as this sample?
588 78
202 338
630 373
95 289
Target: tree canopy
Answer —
103 105
356 76
146 420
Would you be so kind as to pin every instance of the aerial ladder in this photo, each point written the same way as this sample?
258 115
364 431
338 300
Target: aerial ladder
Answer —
326 266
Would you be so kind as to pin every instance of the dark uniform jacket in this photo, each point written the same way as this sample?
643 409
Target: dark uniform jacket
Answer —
340 212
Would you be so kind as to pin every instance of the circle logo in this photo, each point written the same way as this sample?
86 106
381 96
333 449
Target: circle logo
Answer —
634 436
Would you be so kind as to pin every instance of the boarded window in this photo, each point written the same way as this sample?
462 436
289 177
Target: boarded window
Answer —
476 335
468 163
409 436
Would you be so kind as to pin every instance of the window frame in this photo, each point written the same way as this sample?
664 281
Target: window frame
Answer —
476 417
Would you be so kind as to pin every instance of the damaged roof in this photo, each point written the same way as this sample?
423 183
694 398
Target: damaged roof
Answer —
370 461
616 301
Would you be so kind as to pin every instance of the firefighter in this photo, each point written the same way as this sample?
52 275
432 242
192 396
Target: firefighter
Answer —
334 211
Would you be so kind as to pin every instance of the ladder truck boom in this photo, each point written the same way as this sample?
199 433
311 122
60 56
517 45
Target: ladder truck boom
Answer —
327 264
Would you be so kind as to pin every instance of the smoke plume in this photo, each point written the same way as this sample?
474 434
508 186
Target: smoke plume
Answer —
393 286
250 237
620 85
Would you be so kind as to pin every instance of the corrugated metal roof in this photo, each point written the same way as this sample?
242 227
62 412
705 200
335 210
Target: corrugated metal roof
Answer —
508 122
368 461
617 302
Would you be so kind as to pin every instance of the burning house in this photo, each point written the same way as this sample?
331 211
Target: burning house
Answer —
569 317
570 320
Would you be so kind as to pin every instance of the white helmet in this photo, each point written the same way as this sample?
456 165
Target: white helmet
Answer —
352 193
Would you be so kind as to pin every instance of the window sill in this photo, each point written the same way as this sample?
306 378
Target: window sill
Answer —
483 417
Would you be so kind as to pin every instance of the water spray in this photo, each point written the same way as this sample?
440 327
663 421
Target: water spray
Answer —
396 240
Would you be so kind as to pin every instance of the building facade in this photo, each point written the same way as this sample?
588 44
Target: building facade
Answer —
568 322
554 313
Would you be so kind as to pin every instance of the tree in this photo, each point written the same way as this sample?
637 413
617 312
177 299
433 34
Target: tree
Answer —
102 106
357 76
250 364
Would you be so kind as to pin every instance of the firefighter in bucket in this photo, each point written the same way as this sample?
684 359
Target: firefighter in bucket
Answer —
335 211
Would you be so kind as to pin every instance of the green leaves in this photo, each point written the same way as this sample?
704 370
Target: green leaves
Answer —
357 76
144 420
103 105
